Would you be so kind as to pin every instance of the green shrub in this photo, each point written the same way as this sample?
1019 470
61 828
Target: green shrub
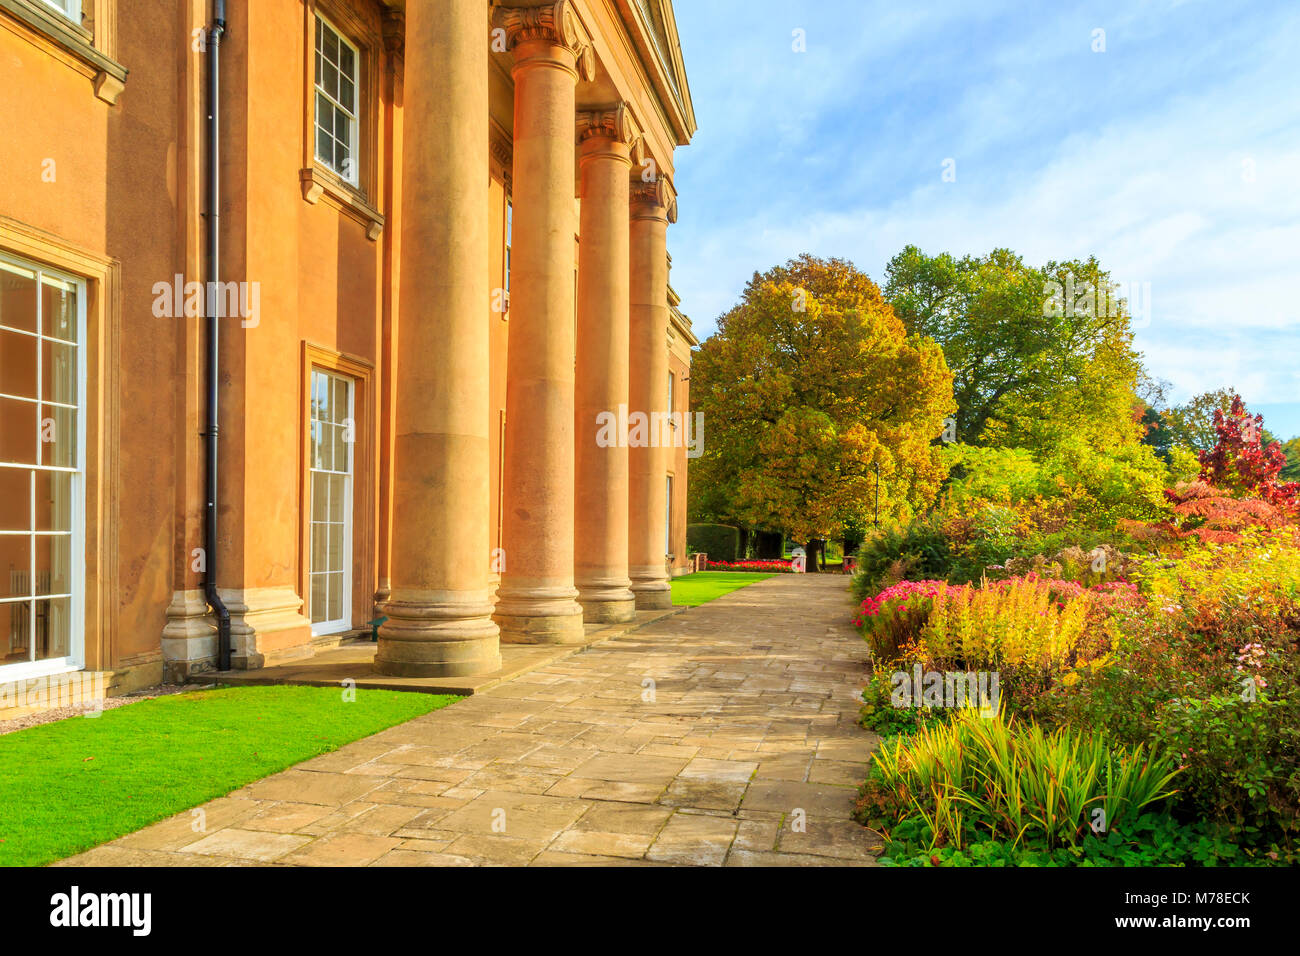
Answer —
993 776
915 551
720 542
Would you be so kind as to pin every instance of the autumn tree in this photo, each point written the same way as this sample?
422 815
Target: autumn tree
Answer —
1038 355
812 392
1243 462
1193 424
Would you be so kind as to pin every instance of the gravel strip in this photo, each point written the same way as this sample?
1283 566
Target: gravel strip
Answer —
109 703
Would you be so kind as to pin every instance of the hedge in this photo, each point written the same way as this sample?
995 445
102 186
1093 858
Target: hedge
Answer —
720 542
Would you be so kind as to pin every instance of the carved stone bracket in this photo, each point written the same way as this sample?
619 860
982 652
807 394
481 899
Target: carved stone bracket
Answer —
395 32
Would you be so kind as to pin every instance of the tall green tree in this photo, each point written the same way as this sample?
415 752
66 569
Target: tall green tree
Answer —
1292 451
815 399
1191 424
1038 355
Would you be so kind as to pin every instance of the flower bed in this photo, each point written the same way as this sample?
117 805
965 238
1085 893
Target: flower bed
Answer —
765 567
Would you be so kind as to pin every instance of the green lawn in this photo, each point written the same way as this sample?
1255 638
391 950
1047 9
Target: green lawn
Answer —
692 590
76 783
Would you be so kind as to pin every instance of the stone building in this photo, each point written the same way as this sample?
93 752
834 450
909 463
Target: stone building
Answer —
438 255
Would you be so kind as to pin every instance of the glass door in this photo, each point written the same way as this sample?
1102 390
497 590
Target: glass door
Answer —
331 463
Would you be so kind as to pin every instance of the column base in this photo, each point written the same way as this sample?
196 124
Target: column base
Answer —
653 600
546 629
608 612
607 600
539 615
652 590
430 636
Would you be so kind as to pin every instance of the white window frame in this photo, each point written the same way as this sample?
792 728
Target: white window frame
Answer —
75 660
344 622
668 517
71 9
353 176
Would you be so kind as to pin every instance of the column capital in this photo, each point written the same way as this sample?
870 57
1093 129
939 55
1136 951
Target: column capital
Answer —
653 200
614 123
551 22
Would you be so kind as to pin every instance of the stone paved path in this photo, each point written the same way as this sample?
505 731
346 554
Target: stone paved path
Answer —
703 739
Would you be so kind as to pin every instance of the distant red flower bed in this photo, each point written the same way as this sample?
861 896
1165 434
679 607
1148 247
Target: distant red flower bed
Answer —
767 567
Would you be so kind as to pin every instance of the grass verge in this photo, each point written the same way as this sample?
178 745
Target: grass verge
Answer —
71 785
692 590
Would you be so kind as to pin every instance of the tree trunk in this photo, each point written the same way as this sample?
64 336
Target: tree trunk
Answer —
810 557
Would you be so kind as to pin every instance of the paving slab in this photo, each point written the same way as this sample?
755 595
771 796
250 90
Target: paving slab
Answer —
720 735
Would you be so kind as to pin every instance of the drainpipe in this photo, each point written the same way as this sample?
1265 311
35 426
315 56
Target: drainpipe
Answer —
218 606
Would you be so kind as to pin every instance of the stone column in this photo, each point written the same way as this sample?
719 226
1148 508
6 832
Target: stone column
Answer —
536 602
600 521
439 615
648 360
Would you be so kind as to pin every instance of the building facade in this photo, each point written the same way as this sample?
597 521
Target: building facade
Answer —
442 272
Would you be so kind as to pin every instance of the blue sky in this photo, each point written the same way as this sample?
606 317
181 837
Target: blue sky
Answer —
1173 156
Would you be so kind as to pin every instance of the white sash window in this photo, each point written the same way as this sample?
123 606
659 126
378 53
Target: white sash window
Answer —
42 470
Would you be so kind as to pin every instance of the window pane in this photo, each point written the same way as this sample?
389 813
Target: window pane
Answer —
321 390
15 560
53 628
343 161
53 564
331 45
15 505
58 372
337 498
326 454
317 392
324 115
335 610
347 95
335 555
347 62
18 431
17 297
319 497
14 631
53 501
318 600
58 309
331 77
58 436
319 548
324 147
18 364
340 399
